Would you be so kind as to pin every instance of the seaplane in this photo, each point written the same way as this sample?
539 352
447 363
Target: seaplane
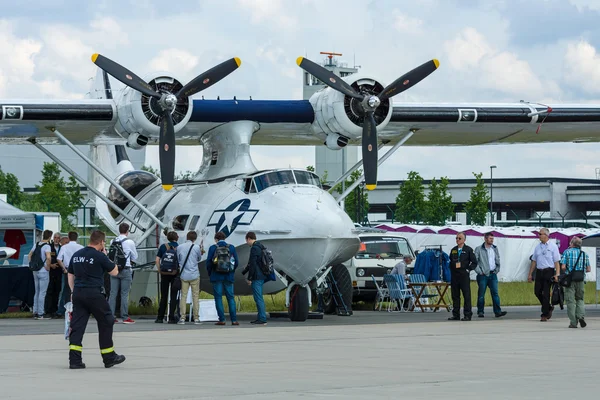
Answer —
292 214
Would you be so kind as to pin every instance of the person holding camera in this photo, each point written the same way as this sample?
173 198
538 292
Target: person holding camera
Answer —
575 263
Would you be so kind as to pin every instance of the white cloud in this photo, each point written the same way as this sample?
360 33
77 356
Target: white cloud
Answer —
406 24
582 66
269 12
471 53
174 60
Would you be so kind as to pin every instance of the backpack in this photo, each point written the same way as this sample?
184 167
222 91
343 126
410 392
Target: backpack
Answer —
168 261
36 263
222 260
116 254
266 261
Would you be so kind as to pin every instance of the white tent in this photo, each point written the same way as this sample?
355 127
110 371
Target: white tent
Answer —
515 244
17 230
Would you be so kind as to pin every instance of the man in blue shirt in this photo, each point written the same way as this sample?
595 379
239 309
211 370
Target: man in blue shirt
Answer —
167 279
221 263
575 263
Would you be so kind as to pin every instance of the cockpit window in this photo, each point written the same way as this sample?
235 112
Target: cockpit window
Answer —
280 177
179 222
274 178
307 178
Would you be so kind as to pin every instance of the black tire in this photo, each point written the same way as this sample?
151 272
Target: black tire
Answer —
298 309
344 281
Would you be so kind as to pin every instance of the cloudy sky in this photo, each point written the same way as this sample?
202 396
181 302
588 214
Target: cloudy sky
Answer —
493 50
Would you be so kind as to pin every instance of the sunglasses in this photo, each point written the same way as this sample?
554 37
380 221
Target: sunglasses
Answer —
459 238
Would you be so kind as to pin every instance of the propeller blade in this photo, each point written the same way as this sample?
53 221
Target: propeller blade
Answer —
327 77
210 77
167 151
369 150
409 79
124 75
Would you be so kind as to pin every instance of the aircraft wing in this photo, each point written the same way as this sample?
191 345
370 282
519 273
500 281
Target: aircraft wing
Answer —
290 122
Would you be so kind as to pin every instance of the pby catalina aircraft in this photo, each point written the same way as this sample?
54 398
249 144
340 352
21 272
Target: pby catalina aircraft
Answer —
302 224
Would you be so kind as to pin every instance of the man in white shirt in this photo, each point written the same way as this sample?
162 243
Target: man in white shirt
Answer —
488 267
546 259
41 278
121 284
64 260
188 255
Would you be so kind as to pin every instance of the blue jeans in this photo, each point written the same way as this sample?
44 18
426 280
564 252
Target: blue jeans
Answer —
121 284
257 292
484 282
218 293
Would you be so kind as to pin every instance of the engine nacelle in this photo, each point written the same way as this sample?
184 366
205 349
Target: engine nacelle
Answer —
136 141
335 141
338 115
139 115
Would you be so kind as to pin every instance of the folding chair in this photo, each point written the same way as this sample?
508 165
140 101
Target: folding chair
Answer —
382 294
398 292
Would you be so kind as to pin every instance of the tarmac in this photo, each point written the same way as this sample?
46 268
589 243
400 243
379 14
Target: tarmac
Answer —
367 355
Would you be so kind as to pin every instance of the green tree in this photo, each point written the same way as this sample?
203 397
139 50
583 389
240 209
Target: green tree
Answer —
181 176
148 168
439 207
58 196
477 206
323 179
410 202
9 185
356 204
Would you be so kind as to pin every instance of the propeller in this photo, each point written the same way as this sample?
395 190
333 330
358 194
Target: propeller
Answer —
368 104
167 102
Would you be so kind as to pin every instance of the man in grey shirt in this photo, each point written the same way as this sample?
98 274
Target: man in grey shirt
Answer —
400 268
488 266
188 255
545 258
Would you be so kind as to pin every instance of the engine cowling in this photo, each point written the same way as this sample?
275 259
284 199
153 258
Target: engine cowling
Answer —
340 117
139 114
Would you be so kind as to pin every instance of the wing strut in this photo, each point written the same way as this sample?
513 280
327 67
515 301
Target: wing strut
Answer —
107 177
83 182
379 162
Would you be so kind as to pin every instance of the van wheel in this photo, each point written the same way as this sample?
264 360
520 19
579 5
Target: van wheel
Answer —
344 282
298 309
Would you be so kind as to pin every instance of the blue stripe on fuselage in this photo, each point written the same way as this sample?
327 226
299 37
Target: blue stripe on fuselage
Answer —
265 111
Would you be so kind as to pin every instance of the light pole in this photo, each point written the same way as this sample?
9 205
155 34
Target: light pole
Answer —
492 194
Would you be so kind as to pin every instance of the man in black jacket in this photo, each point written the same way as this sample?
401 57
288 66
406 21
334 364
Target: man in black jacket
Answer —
462 261
256 278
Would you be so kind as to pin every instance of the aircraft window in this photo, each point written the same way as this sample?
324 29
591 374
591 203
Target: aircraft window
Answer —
194 222
273 178
179 222
307 178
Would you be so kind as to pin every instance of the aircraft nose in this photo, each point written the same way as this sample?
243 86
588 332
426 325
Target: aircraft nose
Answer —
309 232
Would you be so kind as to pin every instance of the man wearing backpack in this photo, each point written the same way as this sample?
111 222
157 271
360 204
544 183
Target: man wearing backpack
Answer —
256 278
39 263
123 253
221 263
167 265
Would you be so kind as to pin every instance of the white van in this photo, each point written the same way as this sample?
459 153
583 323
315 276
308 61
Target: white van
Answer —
379 252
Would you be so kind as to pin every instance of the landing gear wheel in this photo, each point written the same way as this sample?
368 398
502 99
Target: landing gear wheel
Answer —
298 309
344 282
